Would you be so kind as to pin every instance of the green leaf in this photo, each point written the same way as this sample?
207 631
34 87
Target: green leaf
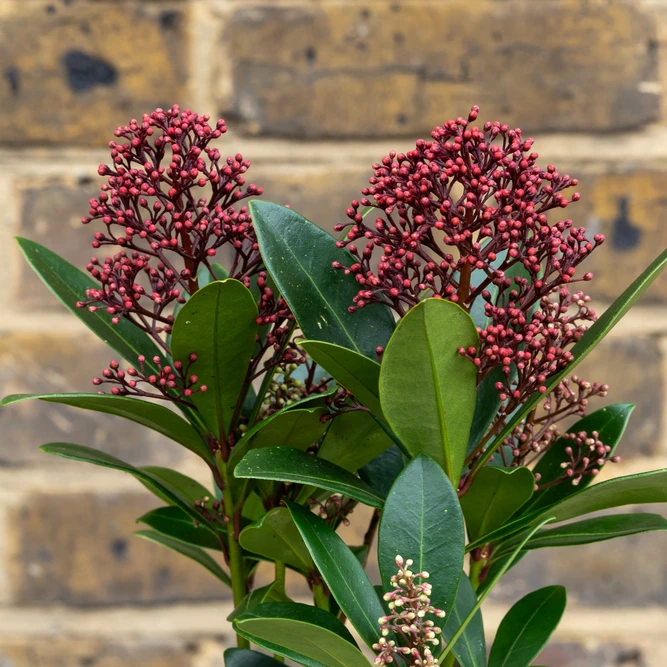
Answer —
285 464
487 406
381 473
495 495
195 553
186 486
648 487
156 484
305 634
357 373
69 284
241 657
597 529
342 573
470 648
422 521
275 536
218 323
273 592
527 626
147 414
299 257
174 523
353 440
609 422
597 331
427 388
490 583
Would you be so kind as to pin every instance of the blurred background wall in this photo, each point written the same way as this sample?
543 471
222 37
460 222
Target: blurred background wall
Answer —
314 92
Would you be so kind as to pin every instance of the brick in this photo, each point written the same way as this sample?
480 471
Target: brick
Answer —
559 654
90 67
62 362
78 549
82 652
630 571
50 213
629 209
632 369
379 68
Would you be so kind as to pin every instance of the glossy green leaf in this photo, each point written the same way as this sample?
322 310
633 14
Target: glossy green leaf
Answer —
381 473
305 634
487 406
495 495
527 626
470 648
275 536
87 455
353 440
69 284
342 573
597 331
490 583
648 487
189 488
273 592
609 422
241 657
285 464
352 370
299 257
427 388
218 323
151 415
422 521
174 523
597 529
194 553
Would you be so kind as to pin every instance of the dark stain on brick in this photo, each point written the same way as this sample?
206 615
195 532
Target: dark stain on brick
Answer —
625 235
119 549
168 20
399 37
13 78
365 13
85 71
401 119
311 55
50 9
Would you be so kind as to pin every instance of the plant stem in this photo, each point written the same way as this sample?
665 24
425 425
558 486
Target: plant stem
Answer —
320 597
280 573
476 567
450 661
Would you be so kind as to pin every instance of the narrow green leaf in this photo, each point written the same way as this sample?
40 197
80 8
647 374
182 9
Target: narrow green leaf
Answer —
597 529
527 626
147 414
241 657
496 494
342 573
491 582
218 324
299 257
275 536
609 422
353 440
648 487
470 648
381 473
422 521
174 523
189 488
273 592
487 406
195 553
155 483
585 344
285 464
352 370
427 388
305 634
69 285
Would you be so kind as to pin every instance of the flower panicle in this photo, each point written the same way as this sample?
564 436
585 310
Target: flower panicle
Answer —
409 604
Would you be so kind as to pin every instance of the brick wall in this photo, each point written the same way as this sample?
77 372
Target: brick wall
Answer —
314 92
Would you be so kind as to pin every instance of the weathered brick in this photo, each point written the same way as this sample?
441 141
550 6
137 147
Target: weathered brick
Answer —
42 363
381 68
632 369
630 571
82 652
78 549
50 213
559 654
629 209
90 67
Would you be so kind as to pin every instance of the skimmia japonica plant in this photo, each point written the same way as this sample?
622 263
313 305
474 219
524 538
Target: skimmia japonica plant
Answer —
421 363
